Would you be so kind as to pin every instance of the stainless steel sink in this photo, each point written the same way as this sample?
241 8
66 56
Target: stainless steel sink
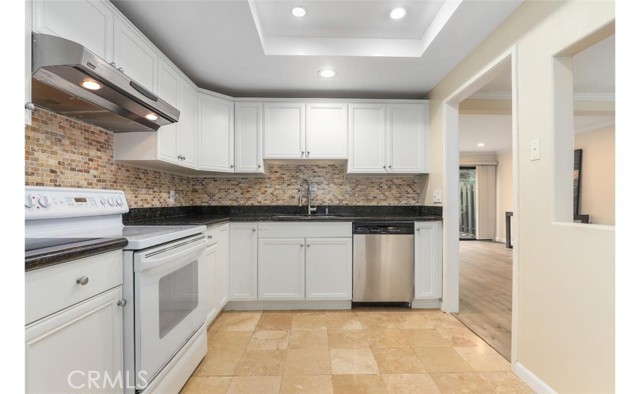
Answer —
307 217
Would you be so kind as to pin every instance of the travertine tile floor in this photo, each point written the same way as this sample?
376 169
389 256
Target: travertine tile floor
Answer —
386 351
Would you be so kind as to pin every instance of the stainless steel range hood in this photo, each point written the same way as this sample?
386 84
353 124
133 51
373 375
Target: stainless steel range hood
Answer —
63 75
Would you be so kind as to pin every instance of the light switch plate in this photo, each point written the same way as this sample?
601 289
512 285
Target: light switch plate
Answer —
437 196
534 150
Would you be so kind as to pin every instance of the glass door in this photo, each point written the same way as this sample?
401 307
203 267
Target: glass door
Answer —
467 190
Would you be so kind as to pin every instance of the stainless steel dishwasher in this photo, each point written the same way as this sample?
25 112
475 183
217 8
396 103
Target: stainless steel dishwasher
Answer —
383 256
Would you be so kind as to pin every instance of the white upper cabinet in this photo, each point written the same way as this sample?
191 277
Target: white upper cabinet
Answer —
326 131
187 125
284 130
168 82
305 131
248 137
89 23
407 138
388 138
216 134
367 138
134 56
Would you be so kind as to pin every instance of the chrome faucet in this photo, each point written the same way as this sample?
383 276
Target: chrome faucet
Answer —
310 209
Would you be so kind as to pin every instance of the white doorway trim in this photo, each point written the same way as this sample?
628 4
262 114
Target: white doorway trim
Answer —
451 291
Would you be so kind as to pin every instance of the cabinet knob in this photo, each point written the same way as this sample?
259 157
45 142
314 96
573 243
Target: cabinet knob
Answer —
385 167
121 69
418 229
308 245
209 236
113 64
259 165
302 245
254 229
308 153
389 166
122 302
302 154
83 280
231 166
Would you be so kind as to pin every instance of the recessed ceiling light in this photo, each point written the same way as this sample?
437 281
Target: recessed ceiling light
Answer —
327 73
91 85
151 116
298 12
480 144
398 13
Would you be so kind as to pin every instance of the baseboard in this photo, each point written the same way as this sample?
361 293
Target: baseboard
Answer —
426 304
286 305
501 240
537 384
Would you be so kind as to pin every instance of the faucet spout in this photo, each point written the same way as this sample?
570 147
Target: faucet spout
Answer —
310 209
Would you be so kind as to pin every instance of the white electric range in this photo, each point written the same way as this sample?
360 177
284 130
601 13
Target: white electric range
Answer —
163 282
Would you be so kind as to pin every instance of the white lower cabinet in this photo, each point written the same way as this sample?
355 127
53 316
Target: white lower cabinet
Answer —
217 269
304 261
281 268
243 261
328 268
78 349
428 260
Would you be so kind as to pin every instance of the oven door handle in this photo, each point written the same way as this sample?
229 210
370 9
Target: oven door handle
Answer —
169 255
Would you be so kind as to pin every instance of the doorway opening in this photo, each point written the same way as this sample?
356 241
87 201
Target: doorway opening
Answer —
467 187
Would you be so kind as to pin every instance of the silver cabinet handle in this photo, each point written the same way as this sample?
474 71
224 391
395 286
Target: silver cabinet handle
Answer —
254 229
122 302
83 280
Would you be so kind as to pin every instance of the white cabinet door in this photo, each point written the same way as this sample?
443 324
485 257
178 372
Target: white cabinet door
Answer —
281 269
87 22
187 124
134 56
168 84
222 268
284 130
216 134
248 137
428 260
210 280
328 268
407 138
326 131
367 149
243 261
64 348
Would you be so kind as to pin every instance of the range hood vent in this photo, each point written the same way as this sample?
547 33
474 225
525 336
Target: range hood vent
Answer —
61 67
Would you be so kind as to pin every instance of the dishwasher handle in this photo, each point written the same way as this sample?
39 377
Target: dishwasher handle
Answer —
385 228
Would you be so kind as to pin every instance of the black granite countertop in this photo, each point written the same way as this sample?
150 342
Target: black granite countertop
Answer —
48 256
219 214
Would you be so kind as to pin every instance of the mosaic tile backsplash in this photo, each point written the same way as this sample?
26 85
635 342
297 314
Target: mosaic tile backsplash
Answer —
64 152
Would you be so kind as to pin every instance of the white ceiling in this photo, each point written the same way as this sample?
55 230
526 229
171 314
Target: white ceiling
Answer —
594 79
219 46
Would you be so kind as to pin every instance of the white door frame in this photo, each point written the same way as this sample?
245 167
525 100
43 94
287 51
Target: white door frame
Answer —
451 243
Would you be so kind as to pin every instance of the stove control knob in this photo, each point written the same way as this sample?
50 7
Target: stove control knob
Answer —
103 201
110 201
119 201
28 202
44 201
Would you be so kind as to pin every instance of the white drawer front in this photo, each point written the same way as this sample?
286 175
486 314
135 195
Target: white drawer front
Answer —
215 233
51 289
303 229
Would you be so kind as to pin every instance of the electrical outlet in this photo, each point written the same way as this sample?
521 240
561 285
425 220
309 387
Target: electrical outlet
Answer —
172 196
437 196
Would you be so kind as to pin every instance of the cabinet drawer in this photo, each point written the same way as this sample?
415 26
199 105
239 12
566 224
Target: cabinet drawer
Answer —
216 233
54 288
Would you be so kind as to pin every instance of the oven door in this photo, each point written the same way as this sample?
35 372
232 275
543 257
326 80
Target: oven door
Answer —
169 302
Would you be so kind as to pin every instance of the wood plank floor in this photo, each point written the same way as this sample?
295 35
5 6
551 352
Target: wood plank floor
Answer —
485 292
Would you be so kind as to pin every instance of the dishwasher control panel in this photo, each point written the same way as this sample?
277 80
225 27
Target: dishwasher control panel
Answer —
383 228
